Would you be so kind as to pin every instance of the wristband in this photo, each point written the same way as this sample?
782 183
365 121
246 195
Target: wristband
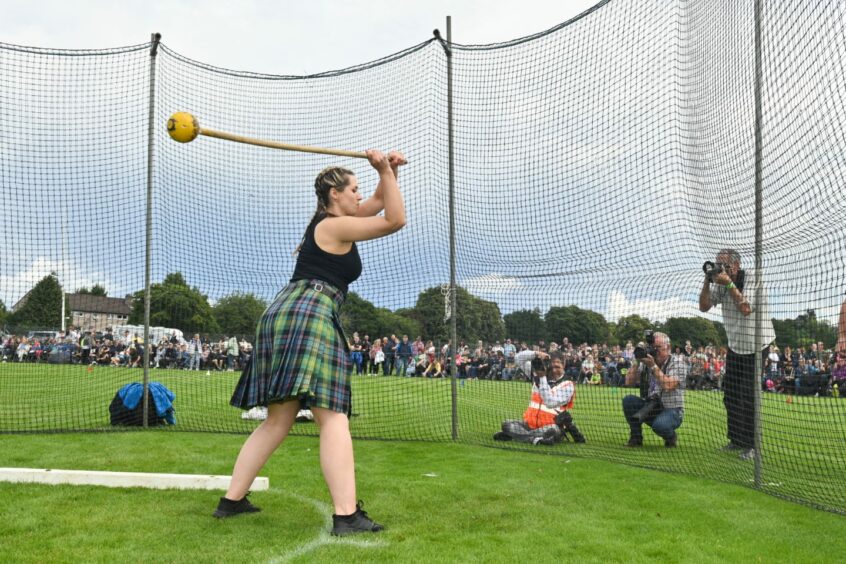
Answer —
730 286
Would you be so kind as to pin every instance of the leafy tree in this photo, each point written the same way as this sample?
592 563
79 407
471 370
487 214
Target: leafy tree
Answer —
176 279
612 332
804 330
43 306
785 332
174 304
362 316
631 328
525 325
410 315
389 323
429 310
721 332
488 320
4 313
698 330
577 324
96 290
238 314
476 318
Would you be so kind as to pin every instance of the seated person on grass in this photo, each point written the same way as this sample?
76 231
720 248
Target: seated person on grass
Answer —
547 420
433 370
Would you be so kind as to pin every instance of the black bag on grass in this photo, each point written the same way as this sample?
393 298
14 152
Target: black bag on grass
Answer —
120 414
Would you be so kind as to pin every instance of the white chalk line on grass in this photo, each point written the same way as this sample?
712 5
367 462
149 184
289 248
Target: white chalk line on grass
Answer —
323 537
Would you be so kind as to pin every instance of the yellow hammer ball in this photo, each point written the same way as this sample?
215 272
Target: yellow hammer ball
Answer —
183 127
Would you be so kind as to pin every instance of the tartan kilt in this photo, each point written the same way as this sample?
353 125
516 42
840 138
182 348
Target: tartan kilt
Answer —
300 351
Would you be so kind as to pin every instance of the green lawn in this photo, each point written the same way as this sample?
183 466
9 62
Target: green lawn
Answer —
803 457
440 502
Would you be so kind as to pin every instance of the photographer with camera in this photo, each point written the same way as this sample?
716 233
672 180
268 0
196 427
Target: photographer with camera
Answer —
661 377
547 420
725 284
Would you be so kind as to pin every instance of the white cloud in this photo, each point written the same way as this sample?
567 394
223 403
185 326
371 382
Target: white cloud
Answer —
276 37
491 285
70 275
655 310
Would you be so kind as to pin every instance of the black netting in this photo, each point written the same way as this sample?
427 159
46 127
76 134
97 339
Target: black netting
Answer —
597 166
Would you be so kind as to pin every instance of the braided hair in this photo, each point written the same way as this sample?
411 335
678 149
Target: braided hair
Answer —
330 177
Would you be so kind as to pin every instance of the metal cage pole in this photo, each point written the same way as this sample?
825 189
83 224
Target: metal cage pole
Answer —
148 244
452 288
759 284
450 298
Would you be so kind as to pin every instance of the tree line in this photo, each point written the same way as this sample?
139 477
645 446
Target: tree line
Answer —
174 303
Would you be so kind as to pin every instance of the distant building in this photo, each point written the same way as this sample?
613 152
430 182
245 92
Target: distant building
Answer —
95 313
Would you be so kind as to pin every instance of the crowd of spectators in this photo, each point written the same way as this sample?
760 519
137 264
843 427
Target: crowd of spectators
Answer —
127 350
806 371
814 370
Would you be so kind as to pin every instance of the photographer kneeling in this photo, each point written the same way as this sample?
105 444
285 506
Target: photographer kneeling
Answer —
661 403
547 420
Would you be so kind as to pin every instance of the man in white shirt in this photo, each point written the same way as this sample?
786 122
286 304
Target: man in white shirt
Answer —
195 351
523 360
730 289
232 352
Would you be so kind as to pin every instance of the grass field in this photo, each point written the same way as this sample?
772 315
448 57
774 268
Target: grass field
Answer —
440 502
803 440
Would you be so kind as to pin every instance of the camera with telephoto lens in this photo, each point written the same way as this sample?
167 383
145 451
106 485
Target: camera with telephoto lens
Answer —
651 408
540 366
647 347
713 270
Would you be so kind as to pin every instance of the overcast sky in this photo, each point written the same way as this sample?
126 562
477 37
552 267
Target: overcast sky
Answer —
276 37
611 102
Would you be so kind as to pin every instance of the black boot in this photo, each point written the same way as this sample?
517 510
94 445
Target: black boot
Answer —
565 421
229 508
358 522
577 435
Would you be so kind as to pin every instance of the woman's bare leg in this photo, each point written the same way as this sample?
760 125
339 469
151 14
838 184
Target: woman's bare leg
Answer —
336 458
260 445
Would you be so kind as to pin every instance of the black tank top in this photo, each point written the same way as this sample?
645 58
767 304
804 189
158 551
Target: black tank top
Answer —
314 262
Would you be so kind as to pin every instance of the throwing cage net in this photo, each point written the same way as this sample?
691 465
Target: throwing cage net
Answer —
597 165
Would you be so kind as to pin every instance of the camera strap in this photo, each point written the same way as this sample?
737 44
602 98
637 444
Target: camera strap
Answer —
646 383
562 379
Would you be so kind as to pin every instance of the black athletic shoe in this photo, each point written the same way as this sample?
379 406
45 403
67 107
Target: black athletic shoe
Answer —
634 442
577 435
502 436
358 522
671 442
565 421
229 508
541 441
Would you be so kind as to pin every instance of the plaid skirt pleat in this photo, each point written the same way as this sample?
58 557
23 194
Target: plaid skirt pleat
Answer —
300 352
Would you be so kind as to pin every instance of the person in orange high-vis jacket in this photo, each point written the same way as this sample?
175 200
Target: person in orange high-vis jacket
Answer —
547 420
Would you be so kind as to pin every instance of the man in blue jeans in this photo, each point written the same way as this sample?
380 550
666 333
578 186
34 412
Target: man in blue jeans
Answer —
661 377
404 354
